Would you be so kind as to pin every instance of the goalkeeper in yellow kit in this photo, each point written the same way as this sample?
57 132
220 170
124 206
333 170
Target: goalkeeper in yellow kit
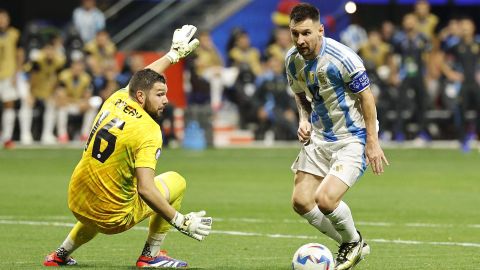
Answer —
114 186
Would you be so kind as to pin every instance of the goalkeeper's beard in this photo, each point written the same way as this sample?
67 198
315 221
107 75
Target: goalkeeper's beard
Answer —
154 112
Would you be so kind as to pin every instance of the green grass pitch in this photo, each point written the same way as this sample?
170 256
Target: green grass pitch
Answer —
423 213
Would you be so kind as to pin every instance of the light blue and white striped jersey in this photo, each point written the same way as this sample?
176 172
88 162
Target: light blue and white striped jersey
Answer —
331 82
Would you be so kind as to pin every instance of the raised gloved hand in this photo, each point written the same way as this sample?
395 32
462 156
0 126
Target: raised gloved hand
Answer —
181 44
193 224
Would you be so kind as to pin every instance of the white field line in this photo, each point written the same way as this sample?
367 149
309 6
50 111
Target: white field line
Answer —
430 225
266 221
361 223
237 233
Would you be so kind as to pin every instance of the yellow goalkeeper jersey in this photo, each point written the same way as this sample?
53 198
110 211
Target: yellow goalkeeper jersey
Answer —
103 187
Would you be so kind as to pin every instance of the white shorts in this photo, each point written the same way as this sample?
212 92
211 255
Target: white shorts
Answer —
7 90
74 109
23 86
344 159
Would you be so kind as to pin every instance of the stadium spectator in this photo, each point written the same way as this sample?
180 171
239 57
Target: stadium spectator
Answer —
388 31
207 55
354 36
231 43
101 48
11 60
110 80
282 42
466 57
337 128
433 76
243 55
43 70
427 22
377 57
88 20
74 97
412 48
73 44
105 78
199 107
133 63
33 40
449 36
247 59
209 65
97 73
114 187
206 86
374 52
274 106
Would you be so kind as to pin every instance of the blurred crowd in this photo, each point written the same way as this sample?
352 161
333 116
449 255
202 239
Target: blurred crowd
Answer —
54 81
425 78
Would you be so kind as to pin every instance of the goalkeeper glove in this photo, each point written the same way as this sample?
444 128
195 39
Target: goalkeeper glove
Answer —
194 224
181 44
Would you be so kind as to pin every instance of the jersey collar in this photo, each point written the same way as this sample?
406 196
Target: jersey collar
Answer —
324 46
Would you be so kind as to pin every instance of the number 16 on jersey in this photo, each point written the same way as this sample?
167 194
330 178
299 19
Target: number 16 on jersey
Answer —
104 134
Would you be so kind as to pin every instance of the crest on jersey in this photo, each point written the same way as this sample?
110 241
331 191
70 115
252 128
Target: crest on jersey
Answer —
157 154
338 168
311 76
322 78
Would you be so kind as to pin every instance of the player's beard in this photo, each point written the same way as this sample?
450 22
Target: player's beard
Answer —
151 110
307 53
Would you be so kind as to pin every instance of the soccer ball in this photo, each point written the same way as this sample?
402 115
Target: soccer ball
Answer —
313 256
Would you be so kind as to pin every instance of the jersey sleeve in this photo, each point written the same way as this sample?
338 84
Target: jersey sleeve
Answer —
359 82
149 150
291 71
355 75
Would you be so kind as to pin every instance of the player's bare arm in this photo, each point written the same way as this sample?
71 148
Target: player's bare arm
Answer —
374 152
193 224
304 111
151 195
182 45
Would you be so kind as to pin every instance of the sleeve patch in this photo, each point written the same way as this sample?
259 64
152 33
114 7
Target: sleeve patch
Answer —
359 82
157 154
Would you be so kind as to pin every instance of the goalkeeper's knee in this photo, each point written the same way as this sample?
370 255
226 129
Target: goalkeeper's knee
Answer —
173 186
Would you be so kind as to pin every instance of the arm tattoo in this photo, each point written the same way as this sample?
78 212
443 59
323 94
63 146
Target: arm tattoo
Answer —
303 105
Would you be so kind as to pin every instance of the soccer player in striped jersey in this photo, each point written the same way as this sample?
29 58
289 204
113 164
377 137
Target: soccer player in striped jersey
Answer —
338 129
114 187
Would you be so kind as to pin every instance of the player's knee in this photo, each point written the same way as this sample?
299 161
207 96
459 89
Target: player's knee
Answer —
325 202
300 204
178 180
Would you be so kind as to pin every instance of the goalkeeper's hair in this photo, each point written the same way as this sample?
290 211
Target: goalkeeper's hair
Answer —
304 11
144 80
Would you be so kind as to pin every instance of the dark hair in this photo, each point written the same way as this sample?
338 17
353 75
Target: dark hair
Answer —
466 17
304 11
144 80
